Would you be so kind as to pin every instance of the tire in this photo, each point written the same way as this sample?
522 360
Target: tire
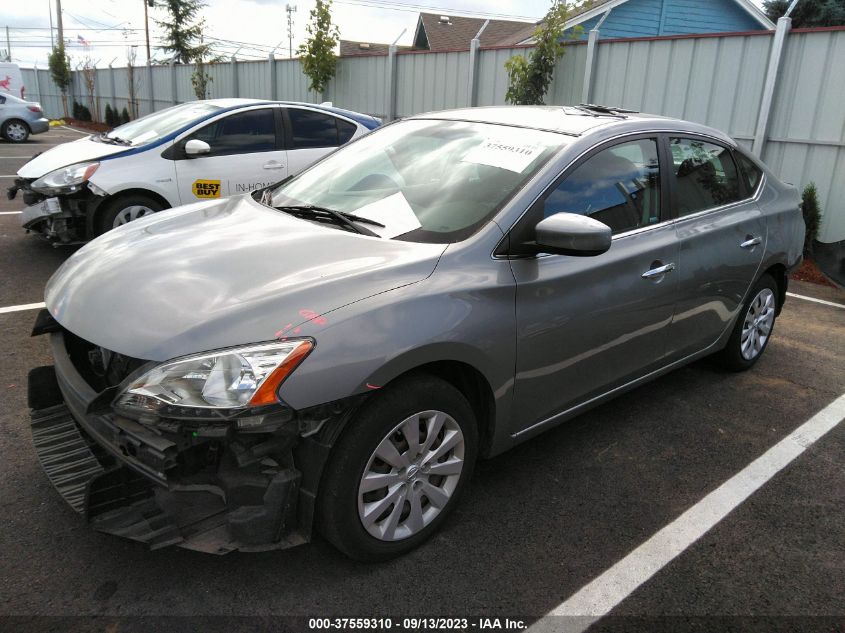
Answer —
15 131
753 328
124 209
342 506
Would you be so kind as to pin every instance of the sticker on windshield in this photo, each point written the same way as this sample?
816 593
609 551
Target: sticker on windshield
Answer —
205 189
503 154
394 212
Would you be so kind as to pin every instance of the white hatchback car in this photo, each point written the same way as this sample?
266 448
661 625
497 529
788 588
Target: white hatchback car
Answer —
194 151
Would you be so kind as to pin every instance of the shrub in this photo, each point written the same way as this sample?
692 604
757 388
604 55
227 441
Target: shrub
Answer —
812 216
81 112
109 116
124 116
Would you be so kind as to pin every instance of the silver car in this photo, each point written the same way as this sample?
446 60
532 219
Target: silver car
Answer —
338 350
19 119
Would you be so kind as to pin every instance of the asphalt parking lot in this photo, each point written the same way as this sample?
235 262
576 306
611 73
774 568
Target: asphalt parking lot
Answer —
537 524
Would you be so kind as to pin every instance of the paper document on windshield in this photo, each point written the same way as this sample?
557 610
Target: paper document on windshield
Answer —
394 212
503 153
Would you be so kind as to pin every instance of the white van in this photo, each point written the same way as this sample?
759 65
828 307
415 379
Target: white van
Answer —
11 80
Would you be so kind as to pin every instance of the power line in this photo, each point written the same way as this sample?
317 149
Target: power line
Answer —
415 8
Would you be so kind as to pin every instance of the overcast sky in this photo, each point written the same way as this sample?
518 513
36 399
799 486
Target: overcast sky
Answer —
256 26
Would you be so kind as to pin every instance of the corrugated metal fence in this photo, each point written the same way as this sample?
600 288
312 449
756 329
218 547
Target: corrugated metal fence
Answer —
715 80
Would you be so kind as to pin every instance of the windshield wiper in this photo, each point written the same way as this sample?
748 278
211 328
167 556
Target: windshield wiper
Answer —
115 140
346 219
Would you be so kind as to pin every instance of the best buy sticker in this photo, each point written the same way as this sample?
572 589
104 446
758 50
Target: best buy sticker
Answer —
206 188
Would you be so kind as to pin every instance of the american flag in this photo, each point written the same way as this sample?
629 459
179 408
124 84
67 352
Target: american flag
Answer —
82 40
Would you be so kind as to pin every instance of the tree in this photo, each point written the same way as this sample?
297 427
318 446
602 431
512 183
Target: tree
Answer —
200 78
529 78
808 13
319 62
131 83
181 30
59 63
89 76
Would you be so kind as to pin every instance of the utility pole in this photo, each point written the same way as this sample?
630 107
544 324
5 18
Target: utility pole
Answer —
50 13
59 23
8 46
147 26
291 9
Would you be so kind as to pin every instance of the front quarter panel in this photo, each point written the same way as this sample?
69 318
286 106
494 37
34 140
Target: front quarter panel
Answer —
464 312
141 170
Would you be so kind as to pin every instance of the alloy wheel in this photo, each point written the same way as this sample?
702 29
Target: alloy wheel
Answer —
16 132
131 213
758 323
411 476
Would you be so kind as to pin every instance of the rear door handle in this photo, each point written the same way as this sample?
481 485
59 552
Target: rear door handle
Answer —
657 272
273 164
750 242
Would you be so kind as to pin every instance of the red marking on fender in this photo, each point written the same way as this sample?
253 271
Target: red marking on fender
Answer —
283 330
297 330
313 316
369 386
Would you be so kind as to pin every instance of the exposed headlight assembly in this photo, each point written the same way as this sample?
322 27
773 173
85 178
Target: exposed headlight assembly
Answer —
65 180
225 381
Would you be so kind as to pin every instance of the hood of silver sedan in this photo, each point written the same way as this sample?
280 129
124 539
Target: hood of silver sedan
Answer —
222 273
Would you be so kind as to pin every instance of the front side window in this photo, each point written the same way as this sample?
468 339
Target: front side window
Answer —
240 133
619 186
311 129
425 180
705 176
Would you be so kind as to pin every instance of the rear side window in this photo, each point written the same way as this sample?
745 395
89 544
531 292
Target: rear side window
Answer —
240 133
619 186
313 129
345 131
750 172
705 174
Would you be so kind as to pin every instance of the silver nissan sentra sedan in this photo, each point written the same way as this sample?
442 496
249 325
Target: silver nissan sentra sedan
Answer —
337 350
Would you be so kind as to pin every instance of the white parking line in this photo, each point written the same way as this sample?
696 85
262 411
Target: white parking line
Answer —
65 127
21 308
600 596
10 212
814 300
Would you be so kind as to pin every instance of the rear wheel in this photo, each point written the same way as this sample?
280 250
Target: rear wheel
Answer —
15 131
125 209
398 470
754 327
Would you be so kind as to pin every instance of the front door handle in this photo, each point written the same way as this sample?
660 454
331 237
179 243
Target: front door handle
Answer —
659 271
273 165
751 242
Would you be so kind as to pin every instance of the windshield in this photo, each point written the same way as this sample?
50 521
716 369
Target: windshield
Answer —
424 180
159 124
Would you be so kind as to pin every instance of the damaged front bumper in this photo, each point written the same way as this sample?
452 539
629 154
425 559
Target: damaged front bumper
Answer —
203 485
63 219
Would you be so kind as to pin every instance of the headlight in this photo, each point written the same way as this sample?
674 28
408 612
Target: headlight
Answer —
65 180
227 379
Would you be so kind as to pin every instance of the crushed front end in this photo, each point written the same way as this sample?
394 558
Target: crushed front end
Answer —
63 215
207 482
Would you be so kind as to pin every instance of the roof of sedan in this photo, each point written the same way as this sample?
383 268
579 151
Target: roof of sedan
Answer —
364 119
574 121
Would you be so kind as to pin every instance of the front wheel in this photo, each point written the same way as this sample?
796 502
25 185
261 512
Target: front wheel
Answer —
398 469
754 327
125 209
15 131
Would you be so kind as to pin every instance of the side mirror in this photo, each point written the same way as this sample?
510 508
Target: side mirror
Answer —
572 234
195 147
